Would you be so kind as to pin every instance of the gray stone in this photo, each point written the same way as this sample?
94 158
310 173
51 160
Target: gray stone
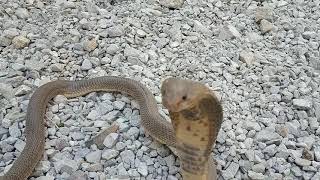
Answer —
254 175
93 115
143 168
229 32
251 125
127 156
77 136
19 145
45 178
266 26
66 165
94 156
86 65
61 143
171 3
231 171
14 130
247 57
301 104
120 146
94 167
110 154
259 168
22 13
78 175
112 49
302 162
296 171
22 90
115 31
170 177
57 67
266 135
263 13
119 105
11 33
111 140
132 52
133 133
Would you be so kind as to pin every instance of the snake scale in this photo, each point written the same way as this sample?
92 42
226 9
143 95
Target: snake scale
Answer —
153 123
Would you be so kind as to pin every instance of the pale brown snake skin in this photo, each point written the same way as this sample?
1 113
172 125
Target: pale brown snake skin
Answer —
153 123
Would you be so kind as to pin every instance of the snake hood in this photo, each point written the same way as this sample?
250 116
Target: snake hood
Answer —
179 94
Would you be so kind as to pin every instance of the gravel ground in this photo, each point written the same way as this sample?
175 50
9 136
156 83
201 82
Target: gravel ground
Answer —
262 58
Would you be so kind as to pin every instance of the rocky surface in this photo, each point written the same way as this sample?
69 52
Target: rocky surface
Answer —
262 58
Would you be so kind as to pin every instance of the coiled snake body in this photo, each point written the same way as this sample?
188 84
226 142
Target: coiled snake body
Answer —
153 123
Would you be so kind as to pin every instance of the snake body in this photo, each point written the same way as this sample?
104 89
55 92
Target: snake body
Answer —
153 123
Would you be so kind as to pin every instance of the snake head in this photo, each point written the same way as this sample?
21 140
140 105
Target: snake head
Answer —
180 94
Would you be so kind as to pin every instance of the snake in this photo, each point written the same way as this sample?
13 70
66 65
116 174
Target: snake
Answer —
152 121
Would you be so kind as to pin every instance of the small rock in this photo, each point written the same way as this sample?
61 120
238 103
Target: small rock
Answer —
94 167
57 67
116 31
120 146
259 168
247 57
60 99
317 153
67 165
127 156
282 3
175 4
86 65
61 143
4 41
302 104
170 177
77 136
141 33
263 13
93 115
14 130
308 34
112 49
20 41
110 154
229 32
119 105
266 135
131 52
199 27
22 90
90 45
45 178
143 169
133 133
94 157
111 140
19 145
78 175
265 26
231 171
22 13
296 171
254 175
105 60
302 162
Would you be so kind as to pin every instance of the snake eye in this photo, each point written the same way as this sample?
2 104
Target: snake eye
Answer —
184 97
